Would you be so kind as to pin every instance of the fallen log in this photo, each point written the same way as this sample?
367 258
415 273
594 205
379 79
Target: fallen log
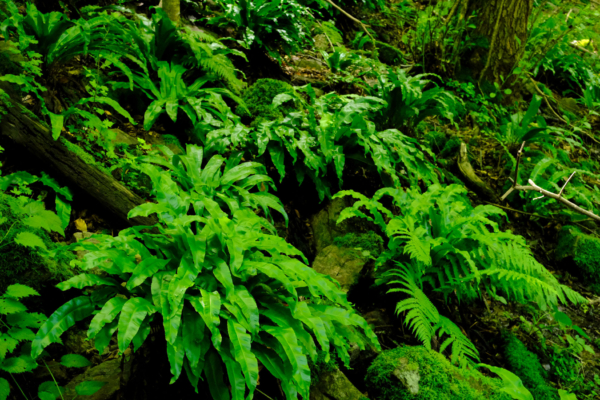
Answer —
22 128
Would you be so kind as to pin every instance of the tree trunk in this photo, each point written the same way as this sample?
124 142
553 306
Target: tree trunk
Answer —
504 24
21 128
173 9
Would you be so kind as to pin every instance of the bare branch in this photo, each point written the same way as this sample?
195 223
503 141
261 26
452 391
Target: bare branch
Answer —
565 185
532 187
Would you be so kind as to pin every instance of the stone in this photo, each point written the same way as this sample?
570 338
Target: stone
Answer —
108 372
79 236
123 138
334 385
408 375
324 223
310 64
76 341
321 42
342 264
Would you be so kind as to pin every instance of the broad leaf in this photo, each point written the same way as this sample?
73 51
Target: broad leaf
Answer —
62 319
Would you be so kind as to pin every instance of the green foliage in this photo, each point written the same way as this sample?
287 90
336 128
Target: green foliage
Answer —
258 100
408 102
333 128
200 104
225 284
24 228
440 239
16 327
584 250
267 24
439 380
513 384
527 366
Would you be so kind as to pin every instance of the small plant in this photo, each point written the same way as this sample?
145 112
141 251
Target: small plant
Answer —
267 24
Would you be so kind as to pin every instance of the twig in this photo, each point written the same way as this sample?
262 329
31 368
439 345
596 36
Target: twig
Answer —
575 46
517 211
353 19
545 193
561 119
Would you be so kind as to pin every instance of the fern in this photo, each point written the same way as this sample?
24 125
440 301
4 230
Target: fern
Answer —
424 319
459 250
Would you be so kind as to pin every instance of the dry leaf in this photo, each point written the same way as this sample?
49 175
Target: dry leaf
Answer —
80 225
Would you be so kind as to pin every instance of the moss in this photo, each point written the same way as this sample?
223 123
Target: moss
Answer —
450 148
526 366
369 241
24 265
389 54
84 155
321 366
439 379
7 66
259 100
583 249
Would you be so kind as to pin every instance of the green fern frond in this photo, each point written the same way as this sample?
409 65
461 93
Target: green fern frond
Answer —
463 350
421 313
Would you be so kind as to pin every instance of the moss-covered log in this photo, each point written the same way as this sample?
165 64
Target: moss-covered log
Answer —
22 128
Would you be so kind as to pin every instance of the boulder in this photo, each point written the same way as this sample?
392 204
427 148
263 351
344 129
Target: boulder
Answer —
324 224
413 372
333 385
342 264
109 372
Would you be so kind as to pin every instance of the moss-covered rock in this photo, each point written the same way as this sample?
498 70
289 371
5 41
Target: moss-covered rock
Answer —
584 252
526 366
419 374
259 100
21 264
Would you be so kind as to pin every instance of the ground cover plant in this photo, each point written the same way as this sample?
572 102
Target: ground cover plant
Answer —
166 161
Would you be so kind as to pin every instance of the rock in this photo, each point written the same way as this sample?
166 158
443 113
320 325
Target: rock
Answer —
342 264
334 385
324 224
581 251
109 372
311 64
321 42
79 236
408 375
76 341
417 373
123 138
376 319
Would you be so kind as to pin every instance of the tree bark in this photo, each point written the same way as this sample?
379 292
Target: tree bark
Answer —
173 9
22 129
504 24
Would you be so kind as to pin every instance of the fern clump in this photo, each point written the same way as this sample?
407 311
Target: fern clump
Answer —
259 100
439 380
526 366
438 237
